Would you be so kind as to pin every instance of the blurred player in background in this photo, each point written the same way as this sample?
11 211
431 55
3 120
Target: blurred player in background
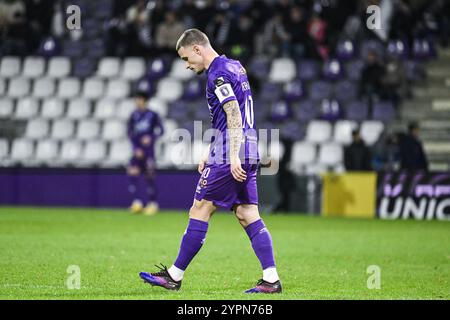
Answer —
225 181
144 127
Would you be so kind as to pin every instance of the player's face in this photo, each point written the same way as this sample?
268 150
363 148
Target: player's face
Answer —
140 103
193 57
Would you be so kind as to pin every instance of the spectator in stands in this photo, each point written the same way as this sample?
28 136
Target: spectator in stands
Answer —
412 155
13 27
370 86
386 152
241 39
285 178
317 30
275 37
394 82
219 29
357 156
138 35
298 35
168 32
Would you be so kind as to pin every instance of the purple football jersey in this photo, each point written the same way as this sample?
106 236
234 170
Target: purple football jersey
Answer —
227 80
143 123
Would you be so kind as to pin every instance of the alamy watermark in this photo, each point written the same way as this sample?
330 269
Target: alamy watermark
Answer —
374 279
73 281
73 21
374 20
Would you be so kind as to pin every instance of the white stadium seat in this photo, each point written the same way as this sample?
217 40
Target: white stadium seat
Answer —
119 153
303 154
159 106
68 88
37 129
169 89
26 108
4 150
113 130
169 127
43 88
9 67
117 88
133 68
59 67
46 151
93 88
282 70
108 67
52 108
125 108
371 130
62 129
105 108
70 151
343 131
318 131
33 67
179 71
93 152
2 87
88 129
22 150
78 108
18 87
330 154
6 107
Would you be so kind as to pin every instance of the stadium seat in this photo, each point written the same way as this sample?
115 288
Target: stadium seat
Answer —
133 68
105 108
52 108
93 88
10 67
179 154
4 149
332 70
113 130
383 111
318 131
371 131
169 127
26 108
62 129
108 67
43 88
330 154
159 106
73 49
353 69
70 151
169 89
330 110
345 50
294 90
303 154
117 88
18 87
78 108
88 129
6 108
120 152
282 70
308 70
306 110
320 90
21 150
345 91
156 69
68 88
125 108
179 71
357 111
372 45
259 66
198 150
293 130
275 150
397 48
343 131
84 67
193 89
33 67
2 87
93 152
46 151
270 92
36 129
59 67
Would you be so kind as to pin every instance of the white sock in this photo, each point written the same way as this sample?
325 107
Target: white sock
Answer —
176 273
270 275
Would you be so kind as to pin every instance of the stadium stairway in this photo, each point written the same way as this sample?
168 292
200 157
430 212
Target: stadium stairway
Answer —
430 107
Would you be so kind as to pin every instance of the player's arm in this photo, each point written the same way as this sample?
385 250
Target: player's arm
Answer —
159 128
235 135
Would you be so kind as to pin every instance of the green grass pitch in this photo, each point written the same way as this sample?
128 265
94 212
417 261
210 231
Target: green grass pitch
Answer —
318 258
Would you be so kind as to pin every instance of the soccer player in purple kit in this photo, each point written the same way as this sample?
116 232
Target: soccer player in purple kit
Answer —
144 127
228 175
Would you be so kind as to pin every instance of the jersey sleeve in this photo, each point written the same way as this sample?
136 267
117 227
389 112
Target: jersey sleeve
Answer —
223 88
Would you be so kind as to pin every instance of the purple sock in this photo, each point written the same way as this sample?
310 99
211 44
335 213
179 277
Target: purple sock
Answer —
133 187
261 243
191 243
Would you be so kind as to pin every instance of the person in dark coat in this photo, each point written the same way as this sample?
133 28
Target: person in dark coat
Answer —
412 155
357 156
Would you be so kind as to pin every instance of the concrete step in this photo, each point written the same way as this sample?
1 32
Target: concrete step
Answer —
440 71
431 92
437 147
438 166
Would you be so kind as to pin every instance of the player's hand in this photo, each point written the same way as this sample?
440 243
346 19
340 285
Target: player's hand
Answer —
201 166
236 170
138 153
146 140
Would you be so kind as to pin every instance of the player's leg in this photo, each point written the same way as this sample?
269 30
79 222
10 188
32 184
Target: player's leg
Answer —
152 206
133 173
191 243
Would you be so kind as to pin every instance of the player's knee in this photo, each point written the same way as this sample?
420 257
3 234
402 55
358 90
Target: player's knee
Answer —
201 210
247 214
133 171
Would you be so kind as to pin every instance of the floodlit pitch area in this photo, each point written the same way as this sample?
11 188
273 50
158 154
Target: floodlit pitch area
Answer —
318 258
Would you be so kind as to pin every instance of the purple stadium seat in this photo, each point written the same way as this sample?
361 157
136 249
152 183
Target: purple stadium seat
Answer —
84 67
330 110
91 28
145 85
320 90
157 69
423 49
383 111
193 89
332 70
280 111
415 72
345 50
179 111
398 48
294 90
357 111
73 49
293 130
345 91
308 70
270 91
353 69
104 9
48 47
96 48
262 109
201 111
371 45
306 110
259 67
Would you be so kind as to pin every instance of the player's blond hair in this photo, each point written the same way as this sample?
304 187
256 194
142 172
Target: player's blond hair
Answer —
191 37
